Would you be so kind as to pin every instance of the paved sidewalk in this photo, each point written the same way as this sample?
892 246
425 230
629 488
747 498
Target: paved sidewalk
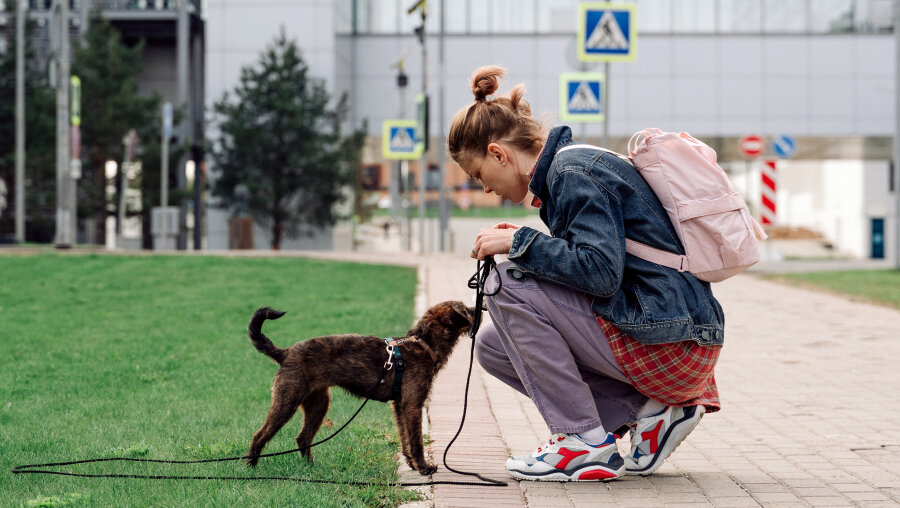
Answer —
809 387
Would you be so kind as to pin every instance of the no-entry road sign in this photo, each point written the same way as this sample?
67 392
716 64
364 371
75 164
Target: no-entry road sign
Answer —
751 146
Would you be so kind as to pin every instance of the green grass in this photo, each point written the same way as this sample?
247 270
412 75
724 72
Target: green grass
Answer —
147 357
876 286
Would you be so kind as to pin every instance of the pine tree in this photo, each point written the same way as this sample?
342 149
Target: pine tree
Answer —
281 154
40 140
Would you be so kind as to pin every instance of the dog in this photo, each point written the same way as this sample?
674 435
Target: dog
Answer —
355 363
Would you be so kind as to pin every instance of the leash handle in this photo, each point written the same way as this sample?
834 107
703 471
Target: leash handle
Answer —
477 282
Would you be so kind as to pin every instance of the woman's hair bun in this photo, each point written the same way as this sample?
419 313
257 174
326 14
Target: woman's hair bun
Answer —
486 80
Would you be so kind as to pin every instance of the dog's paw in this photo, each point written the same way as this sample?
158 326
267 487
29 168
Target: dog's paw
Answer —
251 461
427 469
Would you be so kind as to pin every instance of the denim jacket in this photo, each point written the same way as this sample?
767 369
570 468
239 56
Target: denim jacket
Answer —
590 201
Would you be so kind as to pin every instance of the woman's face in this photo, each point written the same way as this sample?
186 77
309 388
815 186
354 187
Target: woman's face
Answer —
499 172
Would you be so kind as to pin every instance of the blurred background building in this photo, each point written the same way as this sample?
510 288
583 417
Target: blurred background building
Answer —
819 71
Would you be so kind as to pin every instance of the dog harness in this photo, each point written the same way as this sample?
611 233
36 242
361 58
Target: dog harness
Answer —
392 346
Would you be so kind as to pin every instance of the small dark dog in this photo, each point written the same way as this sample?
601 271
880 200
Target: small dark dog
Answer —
355 363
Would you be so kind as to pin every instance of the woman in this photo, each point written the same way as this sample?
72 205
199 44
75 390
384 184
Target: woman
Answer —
602 342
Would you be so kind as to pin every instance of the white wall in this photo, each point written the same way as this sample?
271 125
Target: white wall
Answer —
709 85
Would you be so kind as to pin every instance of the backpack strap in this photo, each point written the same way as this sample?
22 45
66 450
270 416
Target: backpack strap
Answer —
633 247
658 256
592 147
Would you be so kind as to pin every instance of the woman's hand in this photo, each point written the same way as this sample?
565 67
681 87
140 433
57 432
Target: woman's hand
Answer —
494 240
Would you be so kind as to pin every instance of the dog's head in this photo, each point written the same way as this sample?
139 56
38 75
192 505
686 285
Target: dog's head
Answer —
444 321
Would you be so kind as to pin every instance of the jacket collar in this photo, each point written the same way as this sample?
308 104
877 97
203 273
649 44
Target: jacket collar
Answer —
558 138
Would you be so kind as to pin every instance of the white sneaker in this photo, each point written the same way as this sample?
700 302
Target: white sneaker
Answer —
655 437
567 458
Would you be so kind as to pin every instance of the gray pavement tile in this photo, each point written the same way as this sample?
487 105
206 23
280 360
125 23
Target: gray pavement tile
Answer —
827 501
866 496
733 502
766 498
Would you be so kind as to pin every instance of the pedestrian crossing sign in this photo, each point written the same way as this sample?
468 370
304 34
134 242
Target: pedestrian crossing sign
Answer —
581 96
398 140
606 32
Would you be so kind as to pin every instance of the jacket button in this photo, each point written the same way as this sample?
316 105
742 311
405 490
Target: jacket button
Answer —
516 274
705 334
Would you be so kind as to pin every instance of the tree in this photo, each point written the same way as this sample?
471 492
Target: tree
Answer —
40 140
281 155
111 106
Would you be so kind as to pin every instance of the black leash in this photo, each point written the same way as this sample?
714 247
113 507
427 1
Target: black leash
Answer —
475 282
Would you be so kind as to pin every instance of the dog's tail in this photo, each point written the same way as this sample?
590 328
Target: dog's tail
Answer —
259 339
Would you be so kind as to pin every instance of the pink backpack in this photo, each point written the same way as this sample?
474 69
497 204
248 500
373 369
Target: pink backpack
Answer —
711 219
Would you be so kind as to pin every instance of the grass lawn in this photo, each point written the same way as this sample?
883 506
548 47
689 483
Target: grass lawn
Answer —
876 286
147 357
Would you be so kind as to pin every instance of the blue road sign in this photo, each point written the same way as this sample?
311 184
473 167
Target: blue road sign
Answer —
581 96
606 32
784 146
399 140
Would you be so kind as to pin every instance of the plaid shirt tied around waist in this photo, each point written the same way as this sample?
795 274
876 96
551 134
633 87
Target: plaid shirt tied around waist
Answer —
676 374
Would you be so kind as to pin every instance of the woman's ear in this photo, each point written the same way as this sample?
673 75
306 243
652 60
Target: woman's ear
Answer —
496 151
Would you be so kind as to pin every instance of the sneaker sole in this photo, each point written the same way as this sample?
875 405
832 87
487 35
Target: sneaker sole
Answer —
584 473
669 444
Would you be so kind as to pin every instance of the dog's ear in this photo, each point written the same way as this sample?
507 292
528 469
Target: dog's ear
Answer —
461 316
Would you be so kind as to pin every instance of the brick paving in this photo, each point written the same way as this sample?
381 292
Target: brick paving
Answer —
811 404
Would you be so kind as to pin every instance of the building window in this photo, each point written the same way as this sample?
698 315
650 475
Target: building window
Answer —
740 16
832 16
785 16
556 16
370 177
513 16
693 16
654 16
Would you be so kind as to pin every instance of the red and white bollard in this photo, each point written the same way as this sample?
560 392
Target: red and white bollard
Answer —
767 197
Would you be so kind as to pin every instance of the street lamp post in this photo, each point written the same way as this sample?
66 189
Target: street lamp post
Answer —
420 5
20 121
110 170
60 31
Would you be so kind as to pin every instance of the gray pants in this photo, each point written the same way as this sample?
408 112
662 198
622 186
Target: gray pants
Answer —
546 343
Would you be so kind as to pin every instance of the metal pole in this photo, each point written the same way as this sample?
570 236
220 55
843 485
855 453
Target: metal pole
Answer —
606 104
442 155
63 176
164 176
129 141
85 11
896 148
583 130
20 120
423 164
181 71
74 173
198 153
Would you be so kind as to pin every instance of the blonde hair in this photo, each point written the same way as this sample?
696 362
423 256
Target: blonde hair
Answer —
486 121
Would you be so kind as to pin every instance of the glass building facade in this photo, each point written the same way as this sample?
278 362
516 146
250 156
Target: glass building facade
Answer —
481 17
